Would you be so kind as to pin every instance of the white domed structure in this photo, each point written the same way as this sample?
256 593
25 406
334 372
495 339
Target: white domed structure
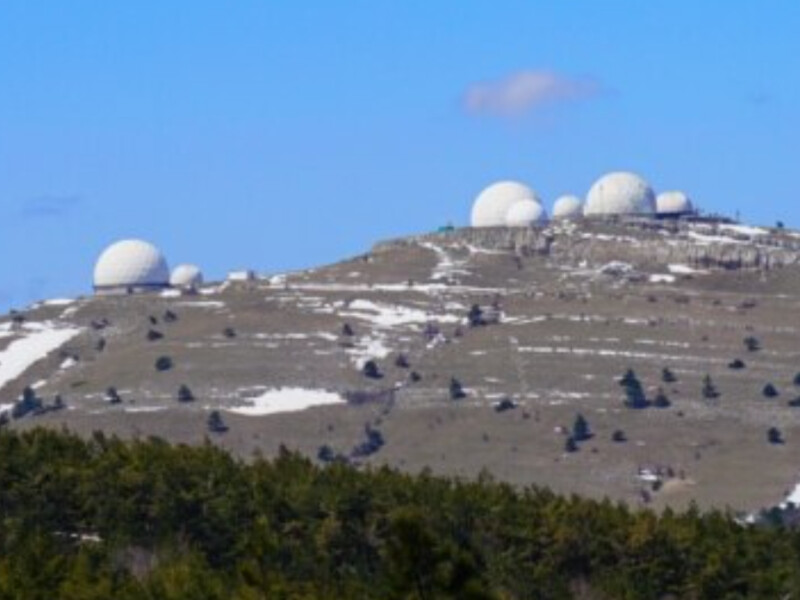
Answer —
620 194
567 207
525 213
130 266
673 203
492 204
188 277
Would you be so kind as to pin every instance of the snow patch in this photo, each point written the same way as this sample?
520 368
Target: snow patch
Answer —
684 270
22 353
660 278
285 400
385 315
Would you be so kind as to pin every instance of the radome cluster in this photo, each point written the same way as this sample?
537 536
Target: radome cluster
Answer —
130 266
514 204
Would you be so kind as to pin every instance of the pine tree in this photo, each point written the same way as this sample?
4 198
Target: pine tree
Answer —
113 396
215 422
709 389
736 364
475 316
770 391
619 436
774 436
371 370
456 390
401 362
570 445
634 394
185 394
797 379
580 429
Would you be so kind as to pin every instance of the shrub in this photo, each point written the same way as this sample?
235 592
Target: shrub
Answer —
325 454
347 330
113 396
153 335
797 379
414 377
371 370
770 391
752 344
667 376
170 317
619 437
736 364
229 332
504 405
164 363
661 400
371 445
401 362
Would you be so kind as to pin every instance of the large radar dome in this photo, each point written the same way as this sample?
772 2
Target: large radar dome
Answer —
567 207
492 204
673 203
130 265
620 194
525 213
186 276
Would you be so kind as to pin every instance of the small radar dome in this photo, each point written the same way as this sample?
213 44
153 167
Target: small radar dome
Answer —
673 203
567 207
131 265
186 276
620 194
525 213
492 204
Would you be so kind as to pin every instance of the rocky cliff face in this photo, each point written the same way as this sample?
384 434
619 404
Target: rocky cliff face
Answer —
645 244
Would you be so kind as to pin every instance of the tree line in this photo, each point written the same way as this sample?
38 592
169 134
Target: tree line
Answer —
106 518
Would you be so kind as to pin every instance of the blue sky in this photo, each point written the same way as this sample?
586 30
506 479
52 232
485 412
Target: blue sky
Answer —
277 135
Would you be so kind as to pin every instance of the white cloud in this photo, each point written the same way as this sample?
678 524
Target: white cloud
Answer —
525 91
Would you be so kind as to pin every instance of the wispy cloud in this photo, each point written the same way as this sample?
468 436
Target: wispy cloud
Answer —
526 91
50 207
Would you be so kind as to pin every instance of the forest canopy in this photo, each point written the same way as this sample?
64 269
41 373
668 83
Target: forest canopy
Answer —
105 518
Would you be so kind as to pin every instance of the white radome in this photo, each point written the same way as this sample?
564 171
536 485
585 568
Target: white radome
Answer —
186 276
492 204
567 207
620 193
131 264
673 203
525 213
